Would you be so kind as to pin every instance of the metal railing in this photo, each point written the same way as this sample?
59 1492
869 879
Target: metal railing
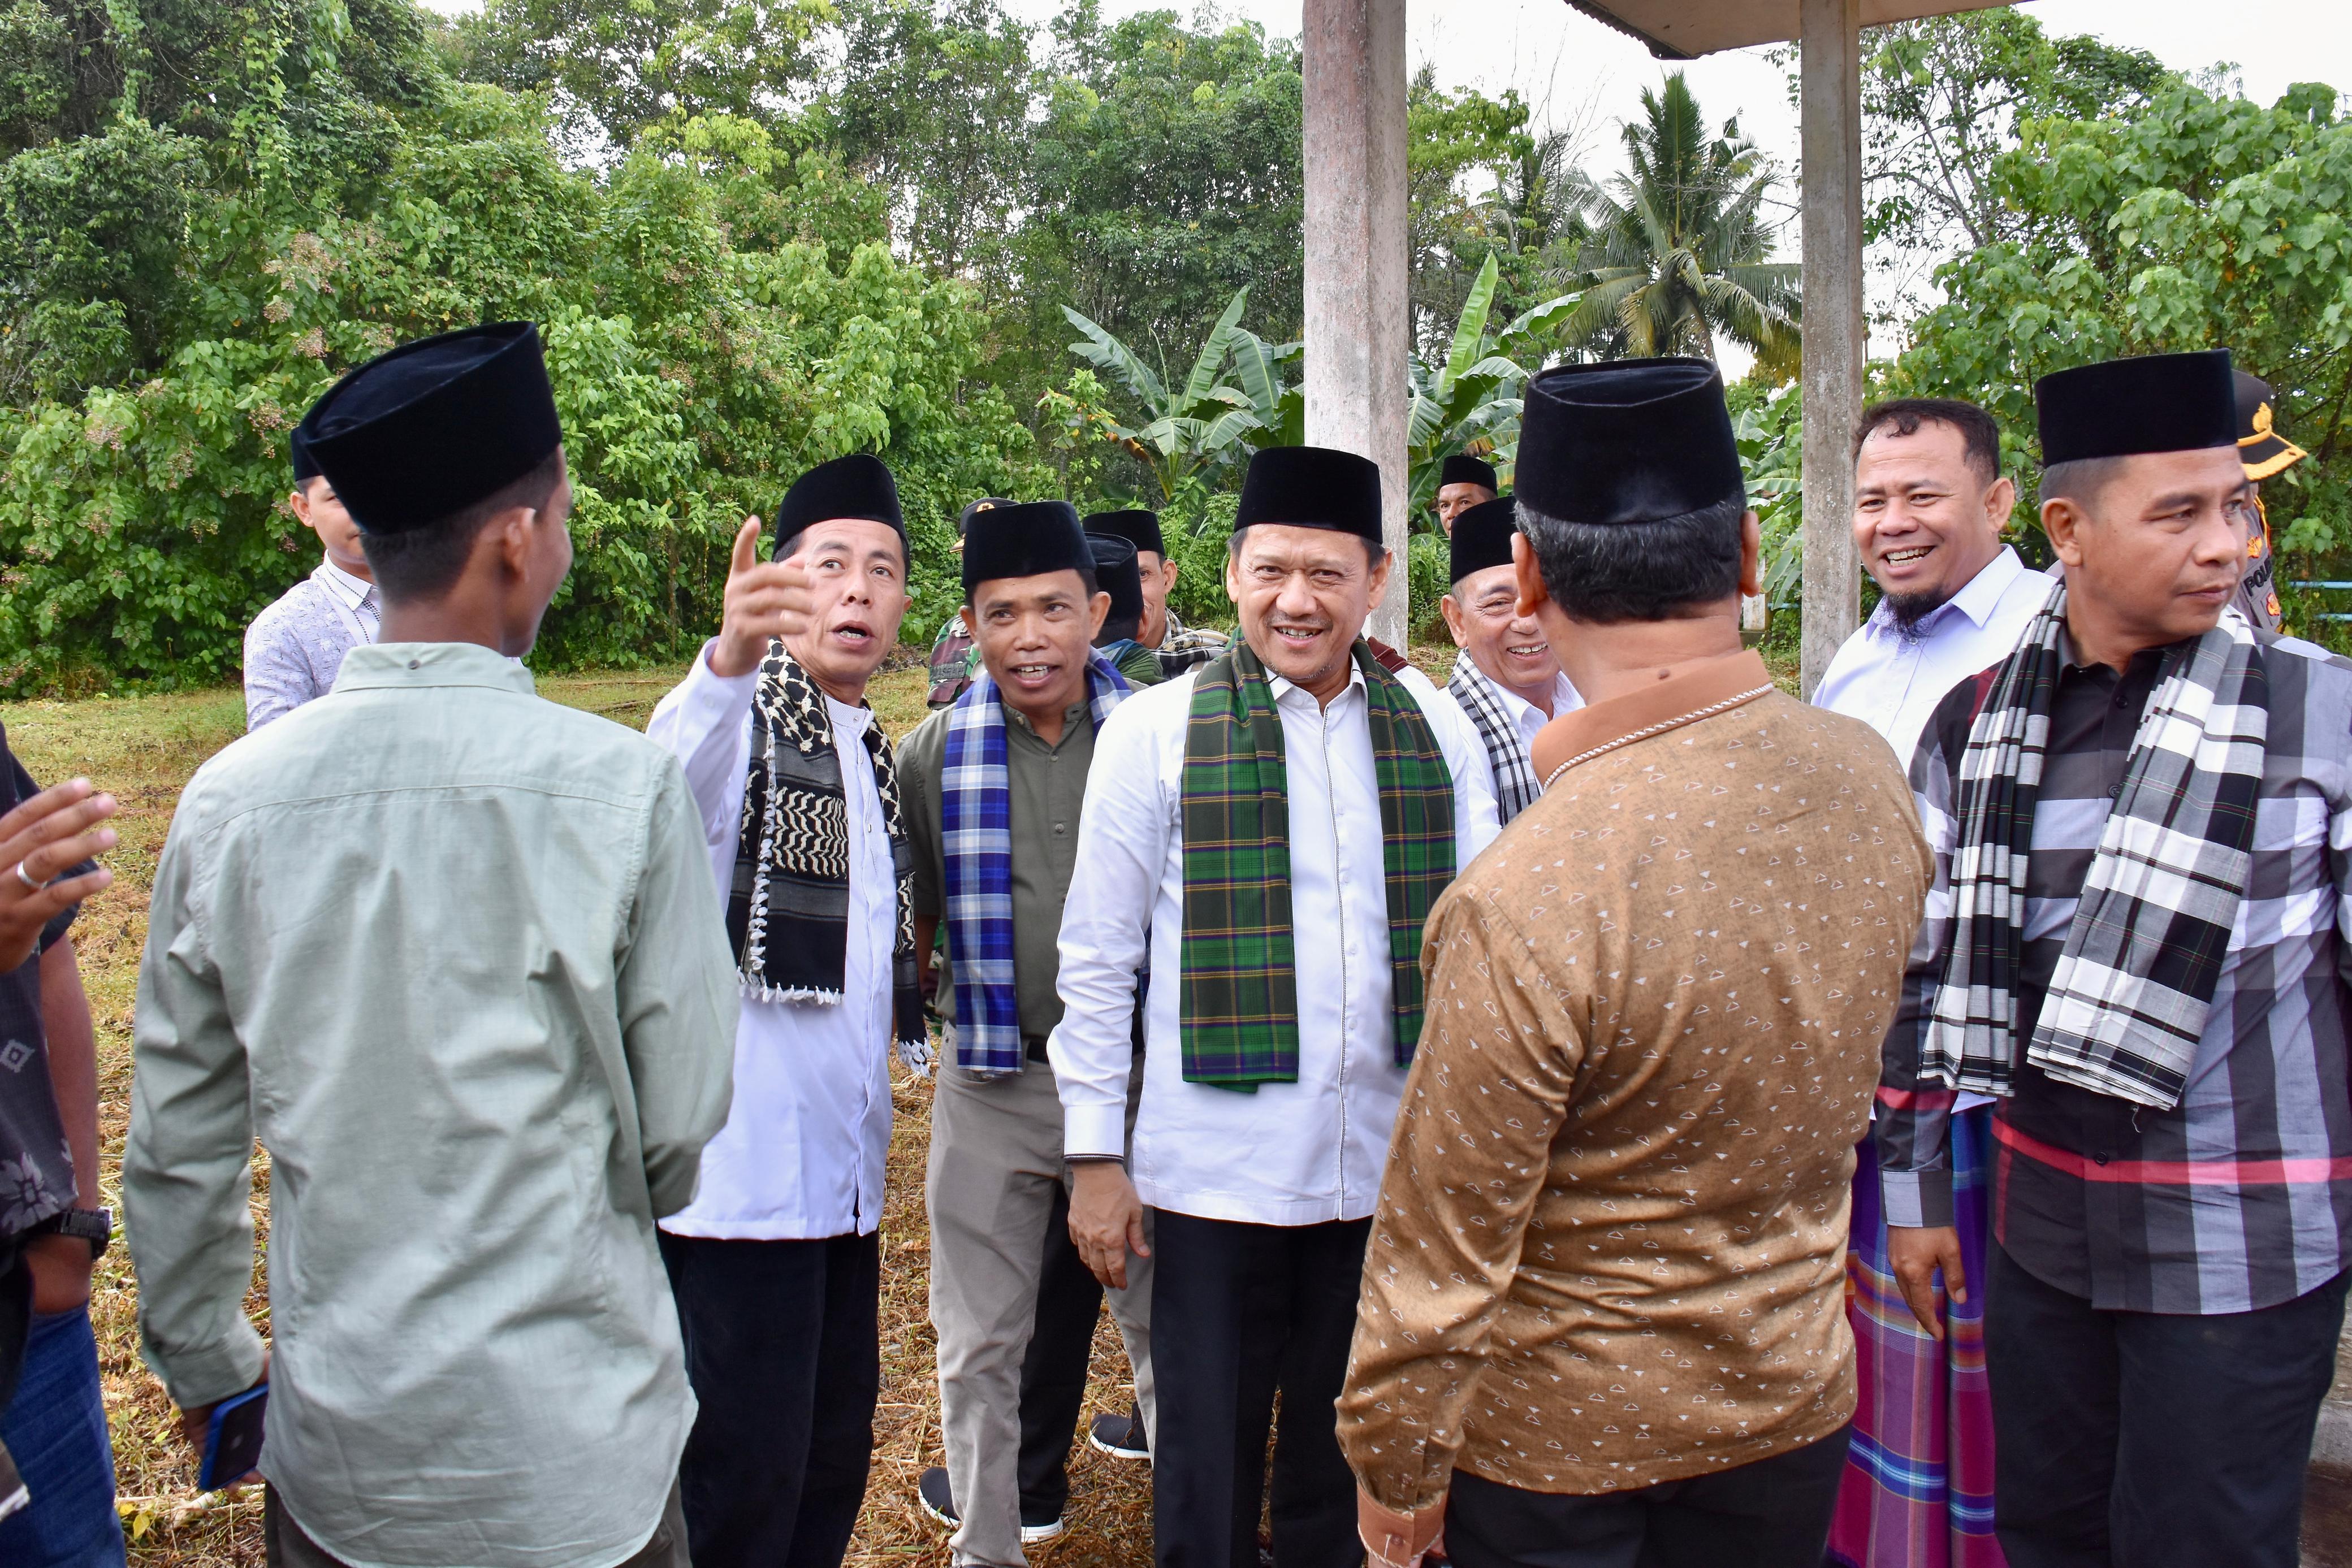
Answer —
2325 587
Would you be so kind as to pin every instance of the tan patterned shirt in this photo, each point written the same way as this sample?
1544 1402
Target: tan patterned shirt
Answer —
1611 1239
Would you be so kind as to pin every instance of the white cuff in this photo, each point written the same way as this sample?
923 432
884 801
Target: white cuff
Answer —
1095 1130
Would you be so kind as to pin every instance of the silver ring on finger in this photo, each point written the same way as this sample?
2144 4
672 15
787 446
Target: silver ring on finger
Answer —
26 878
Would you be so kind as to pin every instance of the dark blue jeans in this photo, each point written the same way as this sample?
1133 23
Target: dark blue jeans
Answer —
55 1428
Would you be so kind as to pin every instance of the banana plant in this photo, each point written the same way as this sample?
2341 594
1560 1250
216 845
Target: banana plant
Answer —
1265 411
1471 402
1186 427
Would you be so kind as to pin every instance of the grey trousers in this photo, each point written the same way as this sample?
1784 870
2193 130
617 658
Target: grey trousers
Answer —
995 1160
283 1545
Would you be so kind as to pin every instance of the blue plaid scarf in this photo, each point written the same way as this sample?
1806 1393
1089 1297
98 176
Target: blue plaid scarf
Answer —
976 824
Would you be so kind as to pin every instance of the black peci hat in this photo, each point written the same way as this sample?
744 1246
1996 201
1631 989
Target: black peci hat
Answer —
2124 408
1117 574
2262 450
858 485
1136 526
1464 469
1024 539
419 433
305 469
1482 536
1312 487
1632 441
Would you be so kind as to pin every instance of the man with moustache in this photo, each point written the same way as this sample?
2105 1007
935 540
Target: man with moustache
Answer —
1266 834
1506 677
2135 943
1179 647
1930 503
1602 1316
994 787
777 1262
1464 482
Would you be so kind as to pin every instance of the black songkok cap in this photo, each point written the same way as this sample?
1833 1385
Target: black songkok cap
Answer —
985 504
418 434
1482 535
1464 469
1312 487
1138 528
1024 539
1634 440
858 485
2261 449
1117 574
2124 408
305 468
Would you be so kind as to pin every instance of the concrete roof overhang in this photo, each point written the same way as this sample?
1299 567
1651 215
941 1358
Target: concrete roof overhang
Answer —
1685 30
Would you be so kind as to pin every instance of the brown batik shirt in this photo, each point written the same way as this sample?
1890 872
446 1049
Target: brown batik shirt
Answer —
1610 1246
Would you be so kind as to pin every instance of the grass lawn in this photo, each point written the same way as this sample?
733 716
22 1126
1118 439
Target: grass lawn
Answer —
144 749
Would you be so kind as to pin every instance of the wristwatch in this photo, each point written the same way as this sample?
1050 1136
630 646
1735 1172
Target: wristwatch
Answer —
95 1226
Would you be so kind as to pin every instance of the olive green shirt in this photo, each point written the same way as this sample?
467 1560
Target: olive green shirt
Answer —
1047 784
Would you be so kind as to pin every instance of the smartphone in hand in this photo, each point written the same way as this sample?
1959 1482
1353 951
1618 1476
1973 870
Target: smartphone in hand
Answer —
233 1440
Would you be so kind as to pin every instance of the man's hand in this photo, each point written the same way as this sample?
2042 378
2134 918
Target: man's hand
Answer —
763 600
1917 1253
195 1426
56 829
61 1268
1105 1219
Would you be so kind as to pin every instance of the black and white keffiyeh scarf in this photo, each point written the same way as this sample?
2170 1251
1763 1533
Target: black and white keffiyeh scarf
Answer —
1516 784
788 906
2128 1000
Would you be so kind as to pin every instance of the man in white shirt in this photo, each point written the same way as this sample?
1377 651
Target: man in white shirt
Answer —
777 1263
1930 502
295 647
1507 677
1264 835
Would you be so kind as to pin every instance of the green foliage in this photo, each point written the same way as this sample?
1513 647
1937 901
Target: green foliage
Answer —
1678 256
1768 426
1470 401
177 296
1188 427
2191 222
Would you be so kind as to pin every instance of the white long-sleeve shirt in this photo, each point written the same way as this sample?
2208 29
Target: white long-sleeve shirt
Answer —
801 1156
1290 1154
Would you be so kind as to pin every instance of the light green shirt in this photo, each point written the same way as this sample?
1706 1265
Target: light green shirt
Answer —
452 953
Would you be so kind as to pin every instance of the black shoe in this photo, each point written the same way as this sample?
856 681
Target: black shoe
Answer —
939 1501
1121 1437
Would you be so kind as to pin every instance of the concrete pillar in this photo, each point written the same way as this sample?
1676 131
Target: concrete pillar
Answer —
1356 332
1835 340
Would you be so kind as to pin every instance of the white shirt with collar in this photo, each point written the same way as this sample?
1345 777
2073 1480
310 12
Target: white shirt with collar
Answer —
1892 679
356 594
1527 718
801 1156
1290 1154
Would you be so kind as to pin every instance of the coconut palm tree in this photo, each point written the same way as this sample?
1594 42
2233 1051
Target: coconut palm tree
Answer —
1677 255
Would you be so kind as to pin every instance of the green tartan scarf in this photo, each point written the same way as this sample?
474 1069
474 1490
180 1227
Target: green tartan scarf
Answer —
1240 987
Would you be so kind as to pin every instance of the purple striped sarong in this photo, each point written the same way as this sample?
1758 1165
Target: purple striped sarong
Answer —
1918 1479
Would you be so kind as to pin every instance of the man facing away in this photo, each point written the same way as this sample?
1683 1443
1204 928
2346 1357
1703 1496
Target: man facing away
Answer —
1121 582
2265 455
1506 677
450 952
294 647
1930 503
1179 647
1266 835
1464 482
1603 1306
2136 942
994 789
777 1264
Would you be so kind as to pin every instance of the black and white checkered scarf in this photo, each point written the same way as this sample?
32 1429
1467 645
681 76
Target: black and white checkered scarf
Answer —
2128 1000
1516 784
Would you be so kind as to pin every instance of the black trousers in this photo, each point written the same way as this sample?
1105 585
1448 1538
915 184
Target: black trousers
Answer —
1054 1373
783 1350
1239 1314
2150 1441
1773 1513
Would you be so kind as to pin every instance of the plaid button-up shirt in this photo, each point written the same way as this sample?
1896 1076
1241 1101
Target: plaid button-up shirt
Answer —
2241 1196
1182 647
